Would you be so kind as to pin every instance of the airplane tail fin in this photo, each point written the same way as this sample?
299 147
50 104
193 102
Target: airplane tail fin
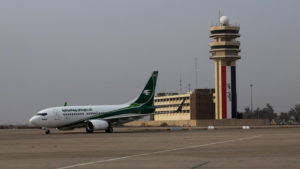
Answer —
147 95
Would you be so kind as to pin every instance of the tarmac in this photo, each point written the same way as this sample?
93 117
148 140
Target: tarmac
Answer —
137 148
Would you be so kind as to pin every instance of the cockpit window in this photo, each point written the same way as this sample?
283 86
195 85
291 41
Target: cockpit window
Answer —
42 114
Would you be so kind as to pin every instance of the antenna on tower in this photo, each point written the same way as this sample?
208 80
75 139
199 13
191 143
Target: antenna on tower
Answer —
219 16
180 83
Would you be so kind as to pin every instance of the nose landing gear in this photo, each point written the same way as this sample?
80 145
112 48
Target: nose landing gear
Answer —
109 130
47 131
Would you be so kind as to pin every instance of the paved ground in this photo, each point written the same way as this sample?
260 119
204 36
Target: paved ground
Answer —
135 149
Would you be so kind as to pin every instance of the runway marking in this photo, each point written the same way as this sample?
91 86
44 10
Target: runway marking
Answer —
200 165
162 151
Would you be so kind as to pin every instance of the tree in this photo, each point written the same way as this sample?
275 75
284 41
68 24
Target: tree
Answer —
284 117
295 112
257 113
248 114
268 112
265 113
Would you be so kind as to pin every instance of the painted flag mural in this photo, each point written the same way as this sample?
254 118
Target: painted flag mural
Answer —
228 92
228 88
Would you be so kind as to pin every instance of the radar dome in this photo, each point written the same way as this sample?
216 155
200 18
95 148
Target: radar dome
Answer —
224 20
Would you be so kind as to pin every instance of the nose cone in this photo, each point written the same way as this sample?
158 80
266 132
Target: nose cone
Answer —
34 121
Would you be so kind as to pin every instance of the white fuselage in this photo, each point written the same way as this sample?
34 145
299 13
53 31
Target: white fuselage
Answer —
56 117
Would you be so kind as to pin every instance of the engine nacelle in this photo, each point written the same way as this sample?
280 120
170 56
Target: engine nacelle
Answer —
97 124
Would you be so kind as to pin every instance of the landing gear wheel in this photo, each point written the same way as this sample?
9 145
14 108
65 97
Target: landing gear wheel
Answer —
109 130
47 131
89 130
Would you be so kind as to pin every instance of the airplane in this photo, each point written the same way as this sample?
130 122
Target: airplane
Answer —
99 117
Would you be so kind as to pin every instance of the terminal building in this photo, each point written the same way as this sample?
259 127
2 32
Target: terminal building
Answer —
198 105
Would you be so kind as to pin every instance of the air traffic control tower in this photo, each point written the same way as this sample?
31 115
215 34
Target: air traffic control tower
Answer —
225 51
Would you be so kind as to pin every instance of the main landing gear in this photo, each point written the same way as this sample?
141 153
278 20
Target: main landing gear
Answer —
88 130
109 130
47 131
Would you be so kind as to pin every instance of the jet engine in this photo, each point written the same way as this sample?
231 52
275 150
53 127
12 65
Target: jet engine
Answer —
96 124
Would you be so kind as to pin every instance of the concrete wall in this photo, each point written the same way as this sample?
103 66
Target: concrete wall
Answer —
201 123
182 123
172 116
232 122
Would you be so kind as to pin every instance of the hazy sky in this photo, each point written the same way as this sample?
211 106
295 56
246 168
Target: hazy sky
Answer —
103 52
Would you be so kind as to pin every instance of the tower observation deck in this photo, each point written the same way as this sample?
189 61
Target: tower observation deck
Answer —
224 51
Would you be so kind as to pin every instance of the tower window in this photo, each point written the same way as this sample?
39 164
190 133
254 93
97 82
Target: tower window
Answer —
224 31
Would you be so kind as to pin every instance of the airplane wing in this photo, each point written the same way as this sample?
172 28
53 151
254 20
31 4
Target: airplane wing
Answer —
124 118
115 120
73 126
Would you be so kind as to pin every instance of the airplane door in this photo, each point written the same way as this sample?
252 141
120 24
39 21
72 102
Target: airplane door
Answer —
57 115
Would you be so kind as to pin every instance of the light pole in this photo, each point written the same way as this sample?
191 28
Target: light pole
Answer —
196 74
251 95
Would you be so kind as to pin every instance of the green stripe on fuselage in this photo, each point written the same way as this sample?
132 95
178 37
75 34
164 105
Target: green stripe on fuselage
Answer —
133 108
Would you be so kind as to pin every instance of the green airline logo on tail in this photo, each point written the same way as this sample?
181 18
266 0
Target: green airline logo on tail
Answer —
147 95
147 92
